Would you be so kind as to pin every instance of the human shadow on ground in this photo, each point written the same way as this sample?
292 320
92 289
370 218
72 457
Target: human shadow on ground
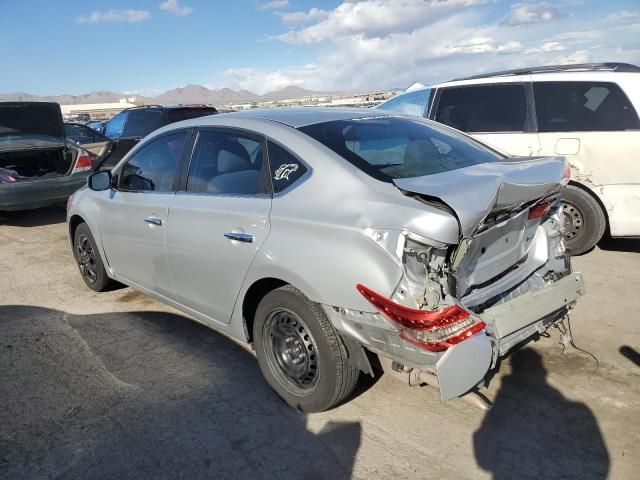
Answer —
34 218
533 431
148 395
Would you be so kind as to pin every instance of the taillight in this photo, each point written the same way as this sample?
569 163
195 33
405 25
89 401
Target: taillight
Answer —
541 209
83 164
434 331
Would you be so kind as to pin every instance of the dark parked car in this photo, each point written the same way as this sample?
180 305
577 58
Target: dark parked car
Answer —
97 125
128 127
89 139
39 166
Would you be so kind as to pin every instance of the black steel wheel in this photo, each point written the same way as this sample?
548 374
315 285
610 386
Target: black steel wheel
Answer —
584 220
88 259
300 353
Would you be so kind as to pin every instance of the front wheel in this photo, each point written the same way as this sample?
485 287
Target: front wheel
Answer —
300 353
584 220
88 260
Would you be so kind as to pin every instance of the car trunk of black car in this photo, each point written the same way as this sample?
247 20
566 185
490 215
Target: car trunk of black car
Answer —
36 164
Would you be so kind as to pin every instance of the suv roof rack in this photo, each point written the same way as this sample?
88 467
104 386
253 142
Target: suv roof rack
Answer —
582 67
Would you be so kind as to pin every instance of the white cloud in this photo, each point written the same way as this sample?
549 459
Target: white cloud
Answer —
296 17
374 18
624 16
173 7
528 13
111 15
274 4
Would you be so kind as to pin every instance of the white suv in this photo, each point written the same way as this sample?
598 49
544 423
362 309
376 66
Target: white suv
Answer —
588 113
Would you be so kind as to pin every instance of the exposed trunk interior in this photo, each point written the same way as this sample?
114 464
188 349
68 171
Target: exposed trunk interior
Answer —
37 164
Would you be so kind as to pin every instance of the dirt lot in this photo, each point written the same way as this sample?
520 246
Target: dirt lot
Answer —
117 385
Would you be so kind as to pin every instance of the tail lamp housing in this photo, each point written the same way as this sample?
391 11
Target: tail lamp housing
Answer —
435 331
83 164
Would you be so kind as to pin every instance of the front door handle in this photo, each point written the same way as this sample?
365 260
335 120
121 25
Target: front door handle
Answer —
240 237
153 220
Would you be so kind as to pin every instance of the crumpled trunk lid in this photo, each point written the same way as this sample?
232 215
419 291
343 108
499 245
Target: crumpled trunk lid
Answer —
474 192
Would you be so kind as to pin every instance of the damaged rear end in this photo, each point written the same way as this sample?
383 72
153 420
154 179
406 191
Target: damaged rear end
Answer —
506 281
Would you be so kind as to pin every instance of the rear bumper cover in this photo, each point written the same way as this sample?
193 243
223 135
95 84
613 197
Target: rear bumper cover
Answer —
463 366
39 193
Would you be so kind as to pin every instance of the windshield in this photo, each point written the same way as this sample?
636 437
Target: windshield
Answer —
388 147
410 103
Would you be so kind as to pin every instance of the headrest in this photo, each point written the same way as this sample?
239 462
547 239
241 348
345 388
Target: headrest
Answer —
233 158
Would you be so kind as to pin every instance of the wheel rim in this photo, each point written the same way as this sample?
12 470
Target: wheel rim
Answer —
573 221
86 258
291 350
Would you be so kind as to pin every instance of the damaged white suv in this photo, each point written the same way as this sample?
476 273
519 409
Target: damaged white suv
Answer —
327 237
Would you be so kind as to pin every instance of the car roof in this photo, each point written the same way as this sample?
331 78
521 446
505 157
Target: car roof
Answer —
292 116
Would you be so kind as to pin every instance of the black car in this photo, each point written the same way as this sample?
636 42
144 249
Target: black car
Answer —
89 139
129 126
39 166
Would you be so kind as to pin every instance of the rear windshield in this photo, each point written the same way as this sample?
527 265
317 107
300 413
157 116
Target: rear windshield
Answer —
187 113
388 147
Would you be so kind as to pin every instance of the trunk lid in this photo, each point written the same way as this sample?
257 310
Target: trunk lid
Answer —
30 125
475 192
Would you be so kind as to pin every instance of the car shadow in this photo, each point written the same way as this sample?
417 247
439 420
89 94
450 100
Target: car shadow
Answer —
620 244
148 395
533 431
34 218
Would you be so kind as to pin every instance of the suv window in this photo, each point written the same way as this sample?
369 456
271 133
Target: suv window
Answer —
82 134
179 114
227 163
142 122
412 103
484 108
582 107
285 168
393 147
153 167
114 127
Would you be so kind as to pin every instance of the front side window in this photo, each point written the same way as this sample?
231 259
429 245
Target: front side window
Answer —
153 167
142 122
483 108
115 126
411 103
392 147
285 168
227 164
583 107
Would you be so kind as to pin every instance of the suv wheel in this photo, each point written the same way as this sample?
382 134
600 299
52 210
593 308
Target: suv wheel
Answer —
584 220
300 353
88 259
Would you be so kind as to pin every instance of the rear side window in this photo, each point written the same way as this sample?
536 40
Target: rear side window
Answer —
227 164
412 103
484 108
583 107
115 126
153 167
285 168
142 122
180 114
393 147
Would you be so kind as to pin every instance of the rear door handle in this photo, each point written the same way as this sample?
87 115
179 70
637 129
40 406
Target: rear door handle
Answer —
240 237
153 220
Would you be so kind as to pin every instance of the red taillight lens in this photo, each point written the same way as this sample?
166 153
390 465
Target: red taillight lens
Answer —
83 164
541 209
434 331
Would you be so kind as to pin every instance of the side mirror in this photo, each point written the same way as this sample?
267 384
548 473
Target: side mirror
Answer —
100 181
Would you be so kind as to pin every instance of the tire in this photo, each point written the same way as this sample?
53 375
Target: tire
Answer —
300 353
584 220
88 259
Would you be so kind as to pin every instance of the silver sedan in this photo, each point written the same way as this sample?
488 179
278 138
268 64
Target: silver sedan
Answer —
336 241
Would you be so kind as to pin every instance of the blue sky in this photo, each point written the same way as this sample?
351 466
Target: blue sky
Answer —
148 46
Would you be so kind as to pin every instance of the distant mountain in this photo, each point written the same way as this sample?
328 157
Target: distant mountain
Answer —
188 94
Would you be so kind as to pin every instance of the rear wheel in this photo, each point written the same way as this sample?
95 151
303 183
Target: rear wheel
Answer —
88 259
300 353
584 220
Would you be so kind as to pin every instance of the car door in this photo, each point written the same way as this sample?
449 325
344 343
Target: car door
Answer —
219 221
134 215
497 114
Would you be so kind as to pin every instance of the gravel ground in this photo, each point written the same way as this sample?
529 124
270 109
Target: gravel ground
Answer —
118 385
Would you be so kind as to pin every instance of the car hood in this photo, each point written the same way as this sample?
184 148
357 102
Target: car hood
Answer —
476 191
41 120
